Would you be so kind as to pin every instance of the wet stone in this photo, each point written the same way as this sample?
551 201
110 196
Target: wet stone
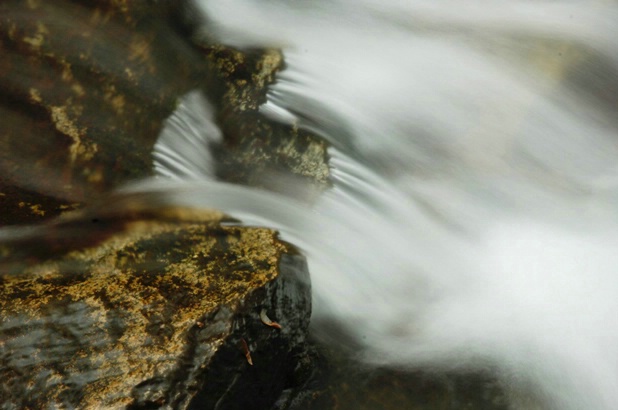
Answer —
330 377
257 150
155 316
84 89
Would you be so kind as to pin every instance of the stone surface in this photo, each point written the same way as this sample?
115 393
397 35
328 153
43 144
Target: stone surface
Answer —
84 88
255 148
153 316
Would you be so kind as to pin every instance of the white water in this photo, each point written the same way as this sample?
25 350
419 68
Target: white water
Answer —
473 221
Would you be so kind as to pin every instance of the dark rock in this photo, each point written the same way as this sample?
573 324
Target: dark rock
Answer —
155 316
333 379
84 88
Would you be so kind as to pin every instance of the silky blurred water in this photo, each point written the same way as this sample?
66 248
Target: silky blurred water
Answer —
472 221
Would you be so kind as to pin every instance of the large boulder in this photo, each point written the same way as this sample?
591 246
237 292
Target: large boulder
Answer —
155 311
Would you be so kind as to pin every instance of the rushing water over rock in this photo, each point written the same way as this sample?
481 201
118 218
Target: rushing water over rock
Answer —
471 222
474 161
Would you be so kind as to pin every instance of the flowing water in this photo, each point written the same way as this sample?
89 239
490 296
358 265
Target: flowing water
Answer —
473 219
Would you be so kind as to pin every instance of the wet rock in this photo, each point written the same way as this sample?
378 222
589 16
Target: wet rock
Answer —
333 379
257 150
84 88
156 315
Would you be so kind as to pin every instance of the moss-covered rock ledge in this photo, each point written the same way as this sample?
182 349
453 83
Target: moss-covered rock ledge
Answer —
156 315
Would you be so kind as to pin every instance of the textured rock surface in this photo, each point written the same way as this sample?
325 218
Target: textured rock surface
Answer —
84 87
154 316
256 148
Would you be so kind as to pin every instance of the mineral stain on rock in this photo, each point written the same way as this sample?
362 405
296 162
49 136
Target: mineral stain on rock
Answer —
152 317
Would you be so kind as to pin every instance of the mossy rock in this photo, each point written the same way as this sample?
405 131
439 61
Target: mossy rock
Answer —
155 315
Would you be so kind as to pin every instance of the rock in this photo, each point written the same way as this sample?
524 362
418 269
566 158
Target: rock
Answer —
84 88
158 314
334 379
256 148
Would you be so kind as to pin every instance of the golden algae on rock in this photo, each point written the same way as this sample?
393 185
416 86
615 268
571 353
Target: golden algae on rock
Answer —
151 316
256 148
